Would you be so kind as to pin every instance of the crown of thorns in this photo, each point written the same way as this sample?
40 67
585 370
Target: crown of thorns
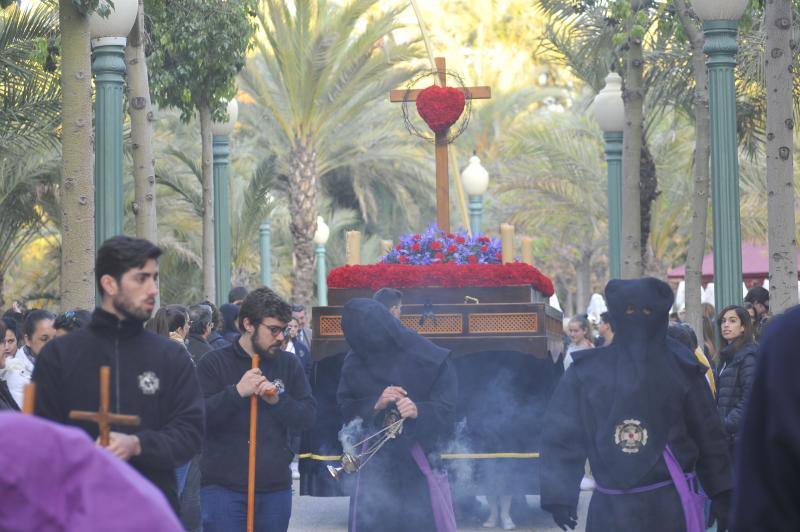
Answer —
422 131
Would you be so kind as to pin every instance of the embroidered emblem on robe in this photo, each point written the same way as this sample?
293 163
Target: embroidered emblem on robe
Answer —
630 436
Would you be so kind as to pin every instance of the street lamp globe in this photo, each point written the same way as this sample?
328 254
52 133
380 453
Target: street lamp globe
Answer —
475 177
119 21
322 233
226 127
609 109
719 9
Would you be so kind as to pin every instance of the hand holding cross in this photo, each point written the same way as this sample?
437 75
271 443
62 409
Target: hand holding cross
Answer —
104 418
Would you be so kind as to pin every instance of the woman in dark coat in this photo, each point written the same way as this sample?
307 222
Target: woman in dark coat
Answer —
735 368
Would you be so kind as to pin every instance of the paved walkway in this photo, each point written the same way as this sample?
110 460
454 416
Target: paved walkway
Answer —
328 514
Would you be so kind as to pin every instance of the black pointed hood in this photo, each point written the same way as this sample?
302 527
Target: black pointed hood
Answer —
390 351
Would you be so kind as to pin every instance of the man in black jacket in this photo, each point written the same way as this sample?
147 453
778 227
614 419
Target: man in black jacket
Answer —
228 381
151 376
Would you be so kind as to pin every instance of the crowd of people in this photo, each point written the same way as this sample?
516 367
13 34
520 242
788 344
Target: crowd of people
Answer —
642 403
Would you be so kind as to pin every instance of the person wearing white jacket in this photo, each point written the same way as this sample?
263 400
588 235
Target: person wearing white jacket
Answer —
37 331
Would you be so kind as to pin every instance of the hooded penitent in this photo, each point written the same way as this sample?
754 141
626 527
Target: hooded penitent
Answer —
621 406
644 377
391 492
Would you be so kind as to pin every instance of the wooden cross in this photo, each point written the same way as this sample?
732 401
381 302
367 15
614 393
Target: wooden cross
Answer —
104 418
442 171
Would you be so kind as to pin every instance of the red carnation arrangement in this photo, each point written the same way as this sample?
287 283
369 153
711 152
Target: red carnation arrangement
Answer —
446 275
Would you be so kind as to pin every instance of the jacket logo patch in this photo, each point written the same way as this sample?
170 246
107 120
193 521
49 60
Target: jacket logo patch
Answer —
148 383
630 436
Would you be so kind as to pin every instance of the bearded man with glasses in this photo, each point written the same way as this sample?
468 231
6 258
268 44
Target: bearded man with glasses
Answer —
228 381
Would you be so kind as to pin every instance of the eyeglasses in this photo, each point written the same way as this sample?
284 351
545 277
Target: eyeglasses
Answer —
275 330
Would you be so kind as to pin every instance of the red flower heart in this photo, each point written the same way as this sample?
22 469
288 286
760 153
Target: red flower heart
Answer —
440 107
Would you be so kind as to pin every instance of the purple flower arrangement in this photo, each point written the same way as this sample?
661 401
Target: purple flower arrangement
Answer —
435 246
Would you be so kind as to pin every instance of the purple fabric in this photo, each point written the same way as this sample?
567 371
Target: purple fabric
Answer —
441 500
693 503
640 489
54 478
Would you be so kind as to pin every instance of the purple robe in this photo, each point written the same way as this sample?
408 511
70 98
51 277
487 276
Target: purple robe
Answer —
53 478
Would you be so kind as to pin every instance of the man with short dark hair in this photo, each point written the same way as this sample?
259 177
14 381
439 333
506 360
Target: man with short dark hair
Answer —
237 295
758 296
199 330
215 338
303 334
285 405
392 299
605 329
37 330
151 376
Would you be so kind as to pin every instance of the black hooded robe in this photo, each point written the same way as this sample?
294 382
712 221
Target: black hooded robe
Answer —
642 388
391 493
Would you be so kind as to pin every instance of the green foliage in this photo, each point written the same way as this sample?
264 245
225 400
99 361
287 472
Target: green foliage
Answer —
199 46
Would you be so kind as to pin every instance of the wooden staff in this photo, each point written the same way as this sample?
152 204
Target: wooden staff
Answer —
251 468
29 398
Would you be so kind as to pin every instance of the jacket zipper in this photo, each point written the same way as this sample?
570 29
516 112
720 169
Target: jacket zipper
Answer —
116 363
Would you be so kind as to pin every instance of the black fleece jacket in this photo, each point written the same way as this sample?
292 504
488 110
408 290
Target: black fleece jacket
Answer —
225 450
151 376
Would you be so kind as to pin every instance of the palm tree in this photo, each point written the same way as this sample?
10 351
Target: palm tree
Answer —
553 185
29 117
318 81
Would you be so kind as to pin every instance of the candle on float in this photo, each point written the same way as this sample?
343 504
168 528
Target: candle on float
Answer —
386 246
507 239
526 252
353 247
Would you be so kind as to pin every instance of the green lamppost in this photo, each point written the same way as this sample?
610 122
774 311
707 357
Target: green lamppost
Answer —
720 21
475 179
320 239
265 248
609 111
109 36
222 210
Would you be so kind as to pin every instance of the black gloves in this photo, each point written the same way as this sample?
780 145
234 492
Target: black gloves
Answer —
564 516
720 510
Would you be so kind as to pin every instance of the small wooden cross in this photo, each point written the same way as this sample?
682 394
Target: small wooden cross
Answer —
442 171
104 418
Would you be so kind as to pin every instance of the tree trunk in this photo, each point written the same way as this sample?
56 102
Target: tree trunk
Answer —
2 289
141 112
207 165
702 149
779 151
77 189
583 281
632 95
303 211
648 193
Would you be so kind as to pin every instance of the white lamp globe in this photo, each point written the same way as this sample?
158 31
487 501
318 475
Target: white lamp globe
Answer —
119 21
609 109
475 177
322 233
719 9
225 128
